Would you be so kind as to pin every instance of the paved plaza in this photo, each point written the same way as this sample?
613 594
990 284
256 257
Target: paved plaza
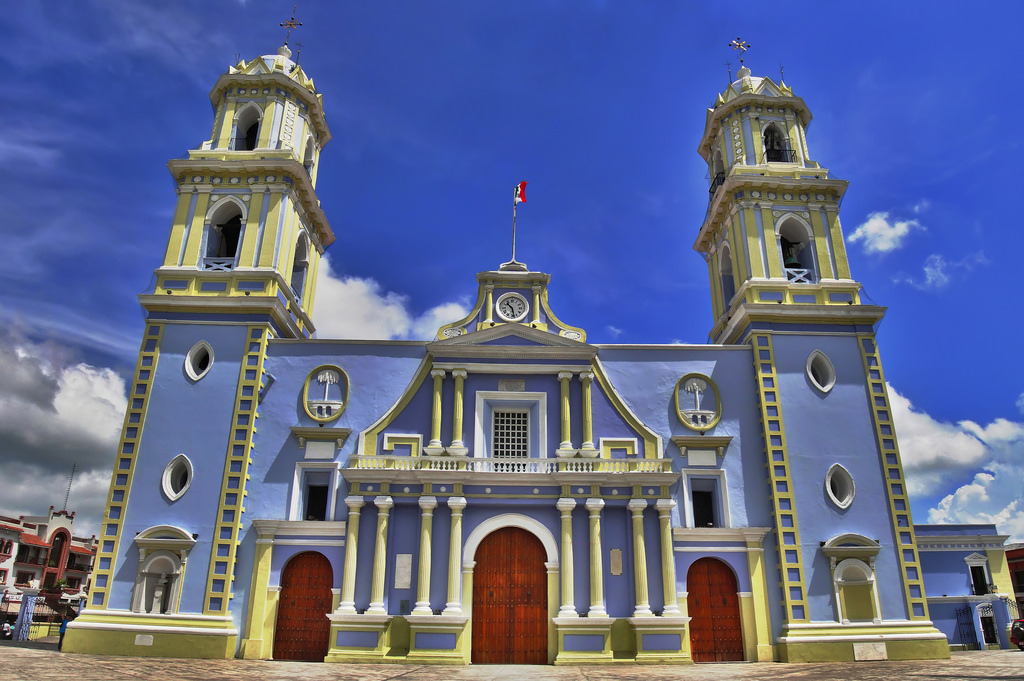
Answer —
41 662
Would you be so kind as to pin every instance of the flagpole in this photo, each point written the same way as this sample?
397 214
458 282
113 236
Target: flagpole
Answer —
514 203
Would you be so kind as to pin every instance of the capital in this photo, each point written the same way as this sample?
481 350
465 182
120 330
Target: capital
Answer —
586 376
428 503
664 505
384 503
438 373
637 506
456 503
566 504
459 373
564 375
354 503
595 505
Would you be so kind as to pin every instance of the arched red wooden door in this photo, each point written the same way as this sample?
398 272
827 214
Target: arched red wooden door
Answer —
303 631
510 599
713 604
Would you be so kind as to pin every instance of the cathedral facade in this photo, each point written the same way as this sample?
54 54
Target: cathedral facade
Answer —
506 492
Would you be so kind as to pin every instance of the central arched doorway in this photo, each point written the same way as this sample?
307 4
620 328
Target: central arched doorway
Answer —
714 609
510 599
303 631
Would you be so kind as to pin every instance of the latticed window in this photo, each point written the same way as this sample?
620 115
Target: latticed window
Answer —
511 434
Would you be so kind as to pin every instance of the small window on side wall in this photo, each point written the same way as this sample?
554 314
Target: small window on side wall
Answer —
199 360
177 477
839 486
820 371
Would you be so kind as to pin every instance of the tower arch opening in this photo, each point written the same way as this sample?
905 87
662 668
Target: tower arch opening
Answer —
725 274
300 265
776 144
308 157
796 249
223 235
247 128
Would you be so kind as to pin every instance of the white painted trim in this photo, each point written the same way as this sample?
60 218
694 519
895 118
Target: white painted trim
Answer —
717 549
503 368
841 503
858 638
165 479
313 543
488 400
723 493
815 354
332 467
535 527
189 371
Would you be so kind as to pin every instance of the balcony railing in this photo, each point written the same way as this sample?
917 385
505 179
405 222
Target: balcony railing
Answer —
799 276
715 184
983 589
780 155
219 264
517 465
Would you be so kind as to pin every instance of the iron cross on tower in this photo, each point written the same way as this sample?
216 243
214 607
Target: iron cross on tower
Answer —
290 24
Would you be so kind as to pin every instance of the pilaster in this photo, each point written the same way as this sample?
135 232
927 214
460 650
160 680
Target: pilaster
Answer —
347 605
597 608
668 559
427 506
454 605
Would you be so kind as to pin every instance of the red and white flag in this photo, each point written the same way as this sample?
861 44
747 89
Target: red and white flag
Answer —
520 195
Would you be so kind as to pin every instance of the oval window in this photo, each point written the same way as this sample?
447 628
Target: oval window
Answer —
199 360
177 477
820 371
839 486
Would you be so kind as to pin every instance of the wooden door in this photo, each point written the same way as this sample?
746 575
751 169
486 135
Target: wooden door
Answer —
510 599
303 631
713 604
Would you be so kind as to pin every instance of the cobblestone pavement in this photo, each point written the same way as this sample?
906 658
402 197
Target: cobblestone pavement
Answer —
41 662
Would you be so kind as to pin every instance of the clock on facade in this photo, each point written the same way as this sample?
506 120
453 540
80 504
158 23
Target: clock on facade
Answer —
512 307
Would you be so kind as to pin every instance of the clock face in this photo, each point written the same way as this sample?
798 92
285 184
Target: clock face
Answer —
512 307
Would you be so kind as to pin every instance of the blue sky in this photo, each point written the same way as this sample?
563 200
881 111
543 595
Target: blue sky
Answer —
437 110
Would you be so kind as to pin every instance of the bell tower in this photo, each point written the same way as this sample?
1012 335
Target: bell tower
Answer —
781 284
771 236
239 271
248 230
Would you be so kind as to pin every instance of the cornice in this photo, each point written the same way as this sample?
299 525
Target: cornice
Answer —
246 162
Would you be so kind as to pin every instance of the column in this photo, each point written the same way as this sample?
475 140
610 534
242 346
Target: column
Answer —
587 377
380 556
348 577
454 604
643 605
594 506
568 609
668 558
435 417
536 304
427 506
489 304
564 377
460 378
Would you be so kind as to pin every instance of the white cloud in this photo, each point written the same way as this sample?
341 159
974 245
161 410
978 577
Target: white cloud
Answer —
921 206
614 331
53 415
933 452
937 272
351 307
939 456
880 234
1020 403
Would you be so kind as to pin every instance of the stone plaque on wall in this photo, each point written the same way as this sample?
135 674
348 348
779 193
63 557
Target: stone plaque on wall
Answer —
512 385
403 571
615 561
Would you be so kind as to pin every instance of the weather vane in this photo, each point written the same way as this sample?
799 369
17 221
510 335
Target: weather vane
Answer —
290 24
740 45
